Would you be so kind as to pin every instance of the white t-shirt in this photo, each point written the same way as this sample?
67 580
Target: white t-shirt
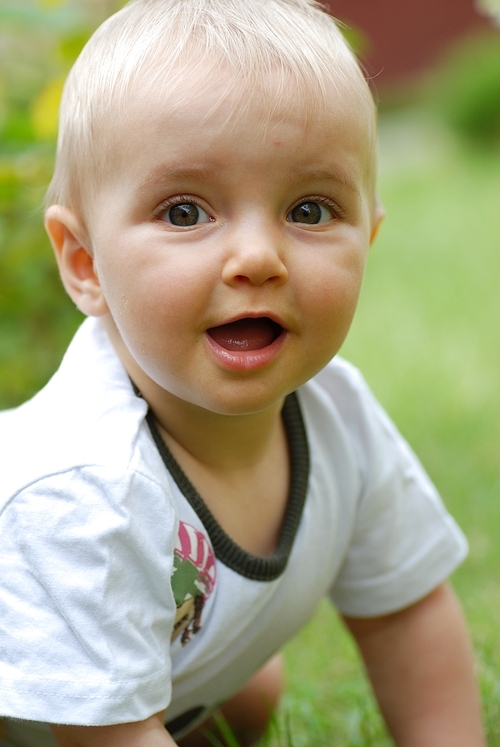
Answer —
120 595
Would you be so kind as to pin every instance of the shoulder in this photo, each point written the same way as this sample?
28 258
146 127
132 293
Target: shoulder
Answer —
339 405
85 423
401 542
338 400
344 385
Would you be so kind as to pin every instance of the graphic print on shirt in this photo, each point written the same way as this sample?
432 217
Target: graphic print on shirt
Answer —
193 579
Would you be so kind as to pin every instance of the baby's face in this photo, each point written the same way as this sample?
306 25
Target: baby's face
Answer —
230 249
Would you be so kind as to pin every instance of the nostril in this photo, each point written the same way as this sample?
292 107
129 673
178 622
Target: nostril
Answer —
255 264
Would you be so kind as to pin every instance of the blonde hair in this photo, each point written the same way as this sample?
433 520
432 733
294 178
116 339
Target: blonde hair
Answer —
150 44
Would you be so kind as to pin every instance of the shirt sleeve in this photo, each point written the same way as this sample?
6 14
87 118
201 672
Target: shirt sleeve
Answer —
404 543
86 607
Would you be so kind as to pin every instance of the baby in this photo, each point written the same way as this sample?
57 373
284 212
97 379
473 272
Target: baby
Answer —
202 470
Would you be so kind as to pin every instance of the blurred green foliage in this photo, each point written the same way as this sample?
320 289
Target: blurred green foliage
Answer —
465 89
38 43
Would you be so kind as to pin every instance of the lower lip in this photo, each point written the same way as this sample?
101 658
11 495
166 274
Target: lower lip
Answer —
247 360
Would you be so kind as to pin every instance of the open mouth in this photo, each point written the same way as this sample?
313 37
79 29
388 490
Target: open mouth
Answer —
246 334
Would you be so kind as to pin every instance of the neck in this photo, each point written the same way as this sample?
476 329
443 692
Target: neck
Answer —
224 442
218 441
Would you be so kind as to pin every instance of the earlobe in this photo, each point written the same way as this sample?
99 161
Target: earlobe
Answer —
74 258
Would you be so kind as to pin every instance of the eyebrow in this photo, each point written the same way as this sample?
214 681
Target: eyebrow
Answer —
338 177
163 172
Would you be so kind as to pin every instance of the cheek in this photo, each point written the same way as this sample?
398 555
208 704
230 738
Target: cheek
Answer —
335 308
333 287
149 288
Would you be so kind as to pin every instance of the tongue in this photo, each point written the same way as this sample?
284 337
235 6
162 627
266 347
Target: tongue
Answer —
245 334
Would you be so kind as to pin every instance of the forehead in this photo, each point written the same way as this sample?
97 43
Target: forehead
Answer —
213 119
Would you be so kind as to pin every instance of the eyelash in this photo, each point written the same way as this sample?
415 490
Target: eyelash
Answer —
325 201
171 202
182 199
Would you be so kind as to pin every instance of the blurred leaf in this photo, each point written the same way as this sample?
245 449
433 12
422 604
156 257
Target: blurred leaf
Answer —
465 89
71 45
26 17
3 102
51 3
356 38
44 110
17 129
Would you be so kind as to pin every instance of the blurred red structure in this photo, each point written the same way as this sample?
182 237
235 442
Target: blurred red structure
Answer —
405 37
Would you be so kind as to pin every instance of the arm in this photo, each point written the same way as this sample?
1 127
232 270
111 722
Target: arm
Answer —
421 667
148 733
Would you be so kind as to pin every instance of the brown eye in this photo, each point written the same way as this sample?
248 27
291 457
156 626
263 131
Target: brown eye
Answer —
309 213
186 214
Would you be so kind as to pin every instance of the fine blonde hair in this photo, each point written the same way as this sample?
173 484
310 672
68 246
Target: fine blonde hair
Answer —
151 45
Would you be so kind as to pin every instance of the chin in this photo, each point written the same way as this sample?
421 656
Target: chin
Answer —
234 405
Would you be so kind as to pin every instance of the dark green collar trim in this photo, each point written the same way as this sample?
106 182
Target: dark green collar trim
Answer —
228 552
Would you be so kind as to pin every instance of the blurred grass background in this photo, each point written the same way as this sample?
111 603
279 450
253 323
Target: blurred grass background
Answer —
426 335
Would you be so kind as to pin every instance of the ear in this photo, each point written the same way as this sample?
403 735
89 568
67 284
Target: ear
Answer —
74 258
378 217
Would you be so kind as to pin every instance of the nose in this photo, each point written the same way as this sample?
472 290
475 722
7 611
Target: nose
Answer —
254 256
